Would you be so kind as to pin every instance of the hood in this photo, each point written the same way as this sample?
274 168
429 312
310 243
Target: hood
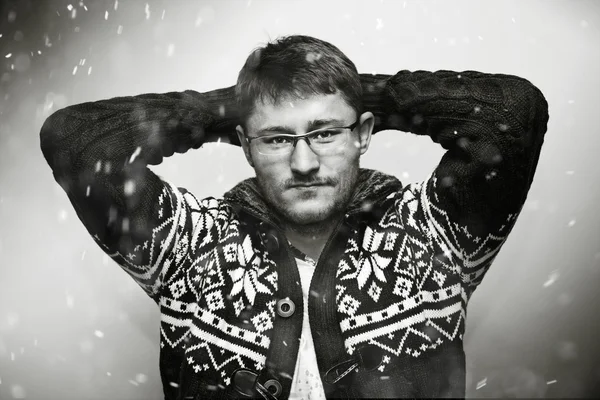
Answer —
371 188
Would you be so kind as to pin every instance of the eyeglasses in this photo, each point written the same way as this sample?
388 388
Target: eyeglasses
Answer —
321 141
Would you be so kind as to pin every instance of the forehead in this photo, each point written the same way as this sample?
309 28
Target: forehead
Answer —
297 113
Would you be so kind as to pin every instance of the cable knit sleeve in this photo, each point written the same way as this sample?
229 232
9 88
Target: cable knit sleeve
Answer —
492 127
99 152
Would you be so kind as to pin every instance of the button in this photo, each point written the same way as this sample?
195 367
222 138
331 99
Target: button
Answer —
272 242
274 387
370 357
243 381
285 307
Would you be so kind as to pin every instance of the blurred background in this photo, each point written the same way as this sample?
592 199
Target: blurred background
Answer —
73 325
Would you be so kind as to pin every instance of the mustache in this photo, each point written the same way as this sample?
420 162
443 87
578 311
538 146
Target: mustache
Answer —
310 181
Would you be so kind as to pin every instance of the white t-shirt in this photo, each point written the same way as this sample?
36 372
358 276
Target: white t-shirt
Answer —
307 384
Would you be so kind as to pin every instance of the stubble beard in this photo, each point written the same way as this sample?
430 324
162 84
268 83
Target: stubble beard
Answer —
315 222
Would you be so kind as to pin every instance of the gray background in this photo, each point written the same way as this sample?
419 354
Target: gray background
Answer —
73 325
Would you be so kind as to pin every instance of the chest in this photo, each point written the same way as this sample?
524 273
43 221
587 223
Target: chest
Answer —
221 313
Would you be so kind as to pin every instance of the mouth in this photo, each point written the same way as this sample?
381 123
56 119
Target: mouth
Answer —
305 186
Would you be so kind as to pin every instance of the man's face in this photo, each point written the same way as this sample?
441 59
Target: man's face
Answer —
304 187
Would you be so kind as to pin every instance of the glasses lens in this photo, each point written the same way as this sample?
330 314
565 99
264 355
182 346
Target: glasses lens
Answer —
322 141
327 140
275 144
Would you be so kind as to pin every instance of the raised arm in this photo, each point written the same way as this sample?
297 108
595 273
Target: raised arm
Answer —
99 152
492 127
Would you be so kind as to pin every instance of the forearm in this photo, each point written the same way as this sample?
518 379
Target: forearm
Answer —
492 127
424 102
99 152
491 124
143 128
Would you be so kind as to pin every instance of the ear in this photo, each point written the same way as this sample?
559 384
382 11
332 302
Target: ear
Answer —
245 145
365 131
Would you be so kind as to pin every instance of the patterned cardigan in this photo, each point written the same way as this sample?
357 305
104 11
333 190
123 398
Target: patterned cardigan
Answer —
389 294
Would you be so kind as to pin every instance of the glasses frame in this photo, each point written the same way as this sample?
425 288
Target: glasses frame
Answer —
302 136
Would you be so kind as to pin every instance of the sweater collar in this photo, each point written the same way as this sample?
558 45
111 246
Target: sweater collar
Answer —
371 188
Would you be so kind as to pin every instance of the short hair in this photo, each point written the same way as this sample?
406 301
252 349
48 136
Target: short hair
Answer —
296 66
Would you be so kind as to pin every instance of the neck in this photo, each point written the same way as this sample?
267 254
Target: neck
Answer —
311 239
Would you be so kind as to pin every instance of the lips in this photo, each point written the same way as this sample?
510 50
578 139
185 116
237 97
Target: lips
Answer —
307 186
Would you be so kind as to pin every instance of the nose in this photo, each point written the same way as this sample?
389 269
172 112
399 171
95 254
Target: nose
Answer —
304 161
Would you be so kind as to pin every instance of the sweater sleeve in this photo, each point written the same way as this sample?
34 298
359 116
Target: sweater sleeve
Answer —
99 152
492 127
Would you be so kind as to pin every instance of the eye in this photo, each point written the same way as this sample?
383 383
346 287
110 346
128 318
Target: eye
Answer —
326 134
277 140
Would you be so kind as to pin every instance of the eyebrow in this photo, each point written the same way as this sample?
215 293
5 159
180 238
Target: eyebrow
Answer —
312 125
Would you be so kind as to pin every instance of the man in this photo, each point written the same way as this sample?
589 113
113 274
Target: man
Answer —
315 278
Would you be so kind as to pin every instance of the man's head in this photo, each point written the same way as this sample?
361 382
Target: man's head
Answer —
296 85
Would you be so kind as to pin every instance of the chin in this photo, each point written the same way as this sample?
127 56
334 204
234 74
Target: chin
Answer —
309 213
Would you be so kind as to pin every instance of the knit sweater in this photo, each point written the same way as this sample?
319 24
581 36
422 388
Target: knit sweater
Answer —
393 282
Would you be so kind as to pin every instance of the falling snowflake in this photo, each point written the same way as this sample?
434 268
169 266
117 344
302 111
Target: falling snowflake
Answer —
62 215
551 279
129 187
141 378
12 319
170 50
18 392
70 301
481 383
567 350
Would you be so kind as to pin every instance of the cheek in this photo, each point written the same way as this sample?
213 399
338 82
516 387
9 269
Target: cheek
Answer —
270 174
342 165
